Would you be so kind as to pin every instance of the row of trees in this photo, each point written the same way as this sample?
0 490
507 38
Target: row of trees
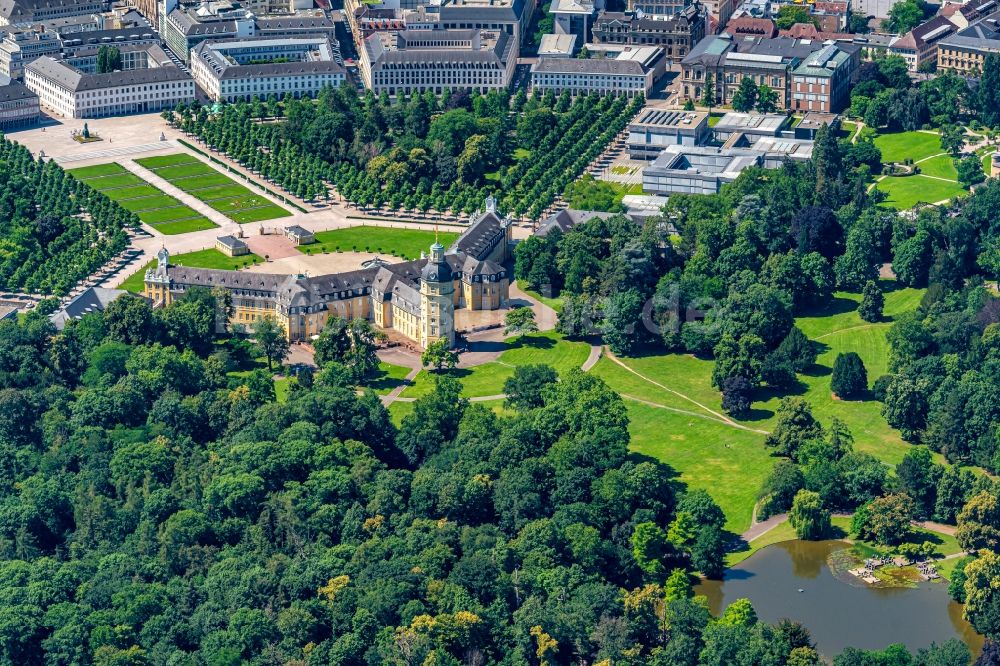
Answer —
419 153
54 229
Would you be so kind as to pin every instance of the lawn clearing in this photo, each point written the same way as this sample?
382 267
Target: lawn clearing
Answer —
730 464
900 146
402 243
389 377
488 379
206 184
942 166
837 328
157 209
907 191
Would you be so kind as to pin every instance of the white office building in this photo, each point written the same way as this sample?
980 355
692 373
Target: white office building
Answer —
70 93
438 60
243 69
631 73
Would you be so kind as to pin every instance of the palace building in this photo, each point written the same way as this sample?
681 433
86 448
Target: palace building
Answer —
416 299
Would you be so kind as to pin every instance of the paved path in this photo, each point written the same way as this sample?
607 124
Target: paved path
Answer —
546 318
593 358
117 152
758 530
718 416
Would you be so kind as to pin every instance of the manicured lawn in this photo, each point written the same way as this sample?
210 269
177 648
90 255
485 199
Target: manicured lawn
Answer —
203 182
282 386
398 410
173 214
267 212
907 191
184 172
109 169
837 328
942 166
210 258
123 193
489 378
403 243
714 118
899 146
168 160
155 202
389 377
553 302
196 223
107 184
218 191
730 464
164 212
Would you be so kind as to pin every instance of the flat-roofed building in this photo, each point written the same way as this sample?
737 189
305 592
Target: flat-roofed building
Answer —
70 93
183 28
557 46
255 67
696 169
964 52
574 17
675 33
18 105
655 129
822 82
754 126
437 60
919 46
231 246
632 72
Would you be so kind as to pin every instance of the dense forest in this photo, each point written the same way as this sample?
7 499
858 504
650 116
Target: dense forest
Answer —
155 509
54 230
426 152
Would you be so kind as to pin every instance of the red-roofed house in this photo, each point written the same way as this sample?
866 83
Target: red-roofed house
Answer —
752 27
832 16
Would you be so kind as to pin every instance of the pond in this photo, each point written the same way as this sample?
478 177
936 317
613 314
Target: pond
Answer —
794 580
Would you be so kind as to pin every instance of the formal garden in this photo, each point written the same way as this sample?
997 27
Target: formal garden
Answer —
218 191
157 209
401 243
419 154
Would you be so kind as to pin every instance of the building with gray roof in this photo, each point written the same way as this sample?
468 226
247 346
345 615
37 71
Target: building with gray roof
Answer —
728 61
24 12
676 33
261 67
18 105
437 60
964 52
415 299
71 93
89 301
632 72
822 81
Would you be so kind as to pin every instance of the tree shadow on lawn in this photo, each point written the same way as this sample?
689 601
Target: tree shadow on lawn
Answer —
383 382
836 305
817 370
